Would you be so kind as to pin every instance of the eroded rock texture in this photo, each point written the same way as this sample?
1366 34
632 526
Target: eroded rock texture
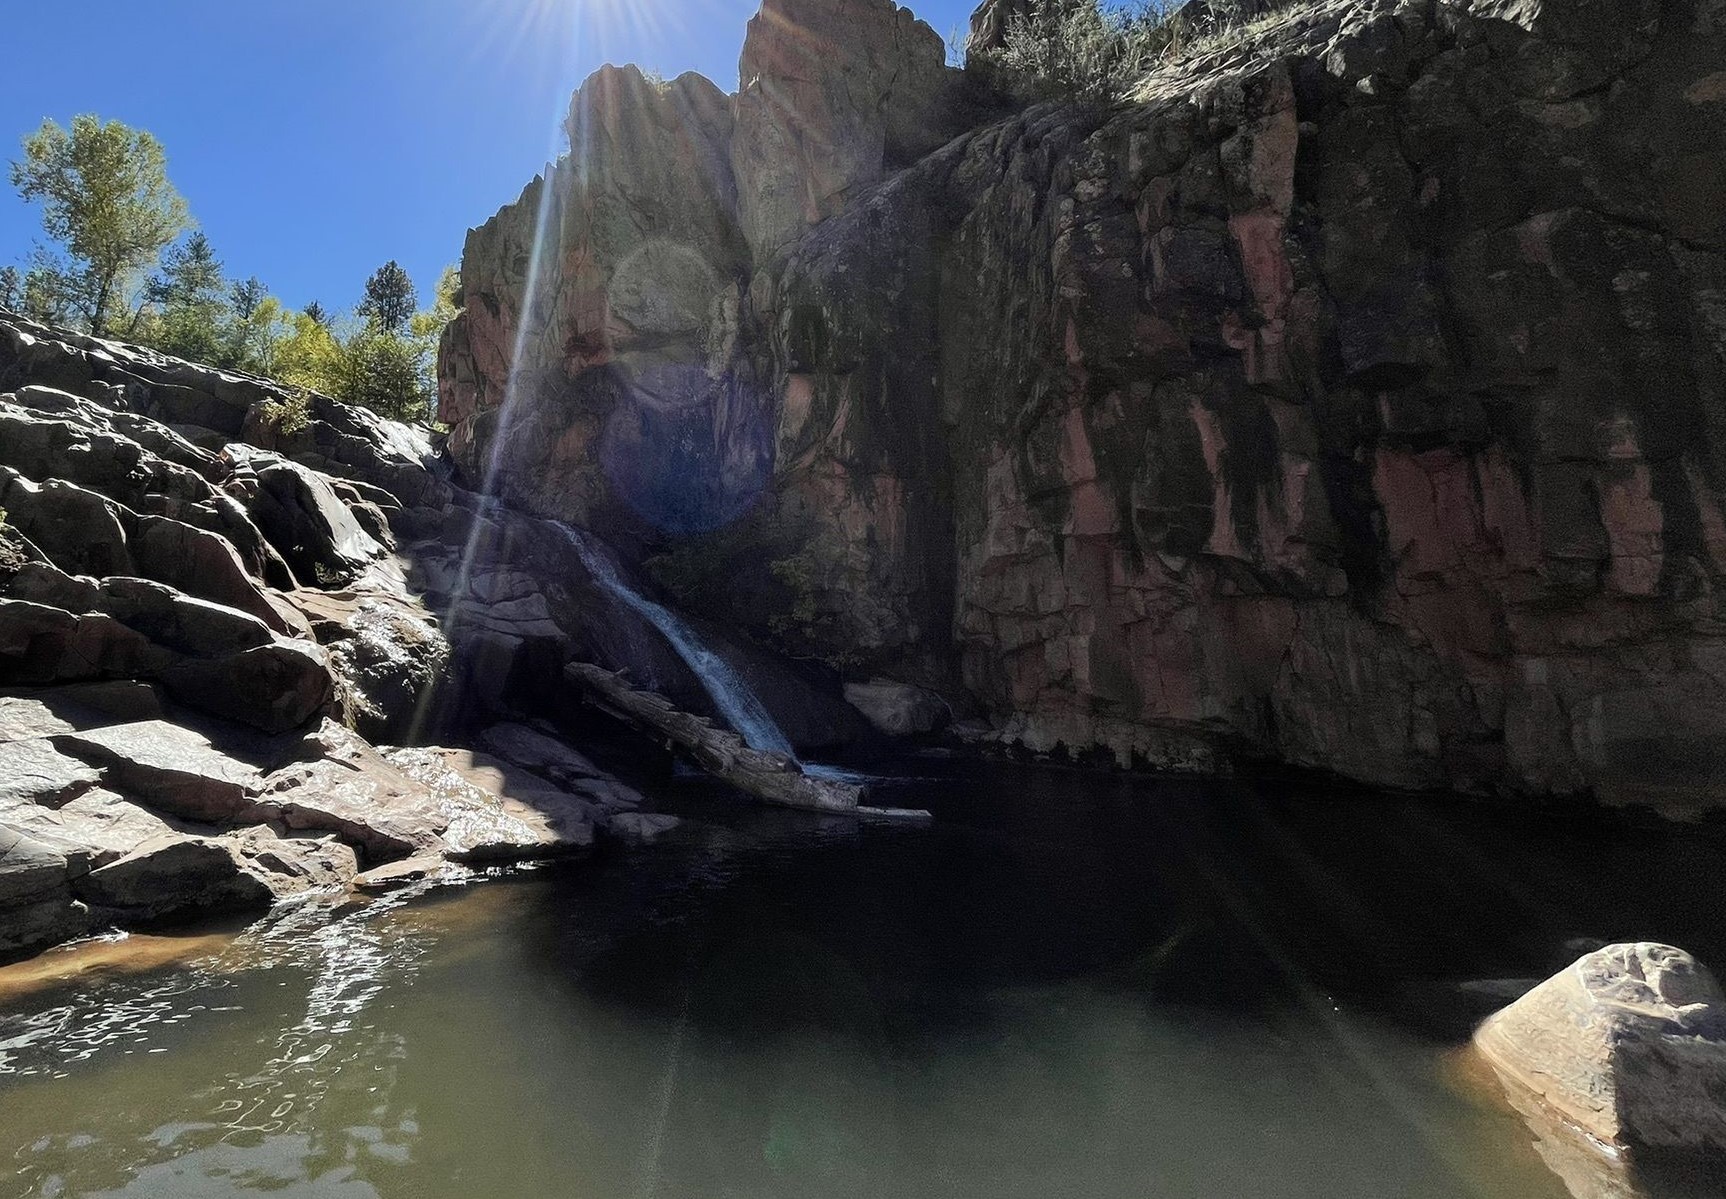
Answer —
1355 398
184 618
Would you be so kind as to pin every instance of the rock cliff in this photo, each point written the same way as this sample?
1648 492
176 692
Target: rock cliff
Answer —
1353 398
216 595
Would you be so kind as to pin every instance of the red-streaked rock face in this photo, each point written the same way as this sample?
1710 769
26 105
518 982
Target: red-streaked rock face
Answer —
1356 399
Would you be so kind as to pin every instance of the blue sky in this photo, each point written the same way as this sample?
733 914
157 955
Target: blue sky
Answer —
315 139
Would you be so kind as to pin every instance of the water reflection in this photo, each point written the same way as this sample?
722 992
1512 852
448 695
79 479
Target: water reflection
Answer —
255 1128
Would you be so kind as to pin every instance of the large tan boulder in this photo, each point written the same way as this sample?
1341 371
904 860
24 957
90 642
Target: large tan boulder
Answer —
1628 1044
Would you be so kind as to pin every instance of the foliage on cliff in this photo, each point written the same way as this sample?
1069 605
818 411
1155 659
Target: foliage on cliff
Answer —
1080 49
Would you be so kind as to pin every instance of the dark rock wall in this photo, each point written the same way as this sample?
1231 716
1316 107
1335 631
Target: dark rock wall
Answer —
1355 398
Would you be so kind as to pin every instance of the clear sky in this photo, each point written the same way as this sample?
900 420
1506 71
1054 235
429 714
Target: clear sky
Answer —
316 139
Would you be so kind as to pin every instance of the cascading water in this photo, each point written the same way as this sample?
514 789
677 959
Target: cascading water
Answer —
741 707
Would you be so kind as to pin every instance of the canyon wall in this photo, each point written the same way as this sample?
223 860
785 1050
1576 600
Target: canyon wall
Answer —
1354 398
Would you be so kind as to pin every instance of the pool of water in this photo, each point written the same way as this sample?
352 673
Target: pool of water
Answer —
1068 985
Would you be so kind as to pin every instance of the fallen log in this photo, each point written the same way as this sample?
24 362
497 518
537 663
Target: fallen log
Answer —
772 777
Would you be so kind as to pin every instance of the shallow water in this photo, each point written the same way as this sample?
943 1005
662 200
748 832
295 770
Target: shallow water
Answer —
1068 985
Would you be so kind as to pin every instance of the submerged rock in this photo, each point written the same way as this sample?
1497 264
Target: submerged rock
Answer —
1628 1045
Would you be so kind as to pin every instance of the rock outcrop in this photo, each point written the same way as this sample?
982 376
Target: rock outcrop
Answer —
1627 1045
187 621
1354 398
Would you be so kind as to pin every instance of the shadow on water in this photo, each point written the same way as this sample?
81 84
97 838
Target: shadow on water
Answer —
1069 984
1216 896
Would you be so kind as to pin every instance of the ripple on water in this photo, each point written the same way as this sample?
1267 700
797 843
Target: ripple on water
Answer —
243 1129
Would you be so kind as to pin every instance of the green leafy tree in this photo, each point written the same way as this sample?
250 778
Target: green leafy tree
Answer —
308 355
185 310
11 288
45 297
316 311
390 300
106 198
257 332
385 372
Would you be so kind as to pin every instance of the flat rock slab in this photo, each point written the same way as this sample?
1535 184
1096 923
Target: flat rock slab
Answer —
95 828
374 807
400 874
23 718
532 821
166 766
36 772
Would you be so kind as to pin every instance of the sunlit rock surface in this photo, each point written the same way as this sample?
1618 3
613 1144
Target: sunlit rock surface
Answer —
1352 399
1626 1047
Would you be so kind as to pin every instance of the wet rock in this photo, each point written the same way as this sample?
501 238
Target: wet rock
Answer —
167 766
392 875
388 660
495 812
1628 1044
898 709
640 828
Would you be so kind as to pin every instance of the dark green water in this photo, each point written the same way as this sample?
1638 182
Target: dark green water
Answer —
1069 985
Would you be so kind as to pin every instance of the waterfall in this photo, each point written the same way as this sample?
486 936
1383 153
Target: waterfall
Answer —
741 707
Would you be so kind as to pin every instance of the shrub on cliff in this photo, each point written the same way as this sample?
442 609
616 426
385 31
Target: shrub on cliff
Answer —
1080 49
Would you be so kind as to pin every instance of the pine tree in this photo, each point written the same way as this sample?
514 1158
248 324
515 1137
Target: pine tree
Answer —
390 300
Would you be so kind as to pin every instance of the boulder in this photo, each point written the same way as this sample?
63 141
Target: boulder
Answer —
274 687
640 828
539 752
305 520
1628 1044
180 622
898 709
388 660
